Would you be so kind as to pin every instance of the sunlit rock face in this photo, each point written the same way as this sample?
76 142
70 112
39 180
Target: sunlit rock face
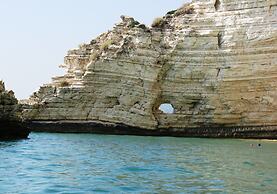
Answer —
214 61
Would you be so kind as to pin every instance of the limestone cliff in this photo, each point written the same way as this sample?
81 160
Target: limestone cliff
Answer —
10 116
215 61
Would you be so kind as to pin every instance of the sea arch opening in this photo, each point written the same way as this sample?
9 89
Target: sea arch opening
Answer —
166 108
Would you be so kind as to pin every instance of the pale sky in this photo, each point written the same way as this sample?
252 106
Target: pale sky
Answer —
35 34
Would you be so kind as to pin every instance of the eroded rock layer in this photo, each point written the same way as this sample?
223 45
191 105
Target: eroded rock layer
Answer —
213 60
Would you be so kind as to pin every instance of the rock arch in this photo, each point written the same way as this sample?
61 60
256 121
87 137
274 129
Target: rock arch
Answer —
166 108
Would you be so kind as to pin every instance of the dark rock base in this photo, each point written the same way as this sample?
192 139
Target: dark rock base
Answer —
10 130
251 132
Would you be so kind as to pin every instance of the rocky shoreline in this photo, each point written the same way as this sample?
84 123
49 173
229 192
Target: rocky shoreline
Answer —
11 121
245 132
11 130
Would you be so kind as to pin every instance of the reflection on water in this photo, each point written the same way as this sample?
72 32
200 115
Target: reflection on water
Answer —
4 144
84 163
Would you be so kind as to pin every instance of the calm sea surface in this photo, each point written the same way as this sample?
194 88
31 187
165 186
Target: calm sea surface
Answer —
85 163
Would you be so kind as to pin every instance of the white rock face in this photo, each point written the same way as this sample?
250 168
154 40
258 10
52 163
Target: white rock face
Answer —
215 61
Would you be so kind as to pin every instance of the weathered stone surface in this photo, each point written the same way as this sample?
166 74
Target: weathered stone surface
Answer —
213 60
10 116
9 107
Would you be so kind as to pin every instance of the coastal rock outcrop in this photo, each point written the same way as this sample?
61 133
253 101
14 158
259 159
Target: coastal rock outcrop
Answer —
214 61
11 123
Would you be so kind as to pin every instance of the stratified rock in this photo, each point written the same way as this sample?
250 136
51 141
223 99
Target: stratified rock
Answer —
215 61
11 126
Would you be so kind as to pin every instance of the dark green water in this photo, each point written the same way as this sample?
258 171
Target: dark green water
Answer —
84 163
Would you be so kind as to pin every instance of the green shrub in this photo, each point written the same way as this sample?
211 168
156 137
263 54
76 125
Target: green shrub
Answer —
64 84
185 9
158 23
171 12
105 45
94 56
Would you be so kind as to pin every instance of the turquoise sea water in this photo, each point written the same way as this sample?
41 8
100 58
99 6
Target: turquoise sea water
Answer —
86 163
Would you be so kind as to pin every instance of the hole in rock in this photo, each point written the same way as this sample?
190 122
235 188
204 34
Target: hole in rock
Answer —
217 5
166 108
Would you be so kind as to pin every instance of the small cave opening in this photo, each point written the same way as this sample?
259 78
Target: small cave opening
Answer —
167 108
217 5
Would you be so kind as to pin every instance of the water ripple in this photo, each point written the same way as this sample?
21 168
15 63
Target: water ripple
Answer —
83 163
